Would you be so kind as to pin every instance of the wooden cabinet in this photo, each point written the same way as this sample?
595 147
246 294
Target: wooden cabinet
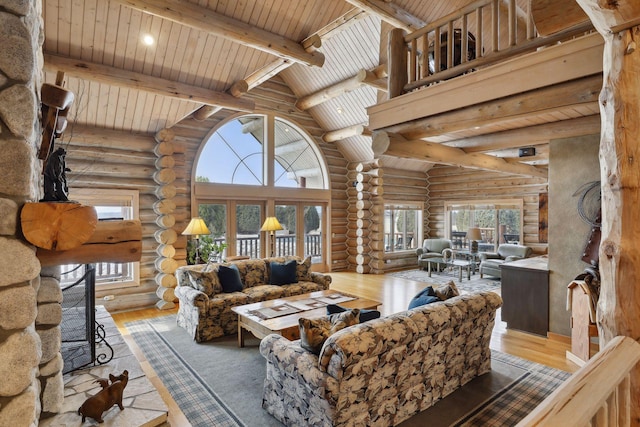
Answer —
525 294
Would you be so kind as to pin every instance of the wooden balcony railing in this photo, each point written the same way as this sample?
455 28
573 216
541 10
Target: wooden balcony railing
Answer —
599 394
483 34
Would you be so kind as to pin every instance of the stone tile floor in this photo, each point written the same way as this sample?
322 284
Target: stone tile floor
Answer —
143 404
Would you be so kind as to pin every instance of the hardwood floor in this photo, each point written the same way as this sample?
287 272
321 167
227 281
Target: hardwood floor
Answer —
395 294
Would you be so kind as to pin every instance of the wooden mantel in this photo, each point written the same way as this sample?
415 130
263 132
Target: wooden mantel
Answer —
70 233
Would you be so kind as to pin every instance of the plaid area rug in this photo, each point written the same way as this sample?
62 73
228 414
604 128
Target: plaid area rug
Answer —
218 384
442 278
519 398
197 400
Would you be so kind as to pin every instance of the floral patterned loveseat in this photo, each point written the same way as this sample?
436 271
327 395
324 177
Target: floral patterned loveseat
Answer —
205 310
381 372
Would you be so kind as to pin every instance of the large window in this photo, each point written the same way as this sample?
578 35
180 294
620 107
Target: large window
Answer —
402 226
109 204
255 166
500 221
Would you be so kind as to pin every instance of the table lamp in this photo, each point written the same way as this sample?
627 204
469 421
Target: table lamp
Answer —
473 235
196 227
271 225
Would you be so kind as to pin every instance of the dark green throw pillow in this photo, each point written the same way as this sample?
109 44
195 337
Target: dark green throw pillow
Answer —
283 273
230 278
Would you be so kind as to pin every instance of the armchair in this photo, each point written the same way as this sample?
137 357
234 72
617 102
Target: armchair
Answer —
490 262
431 248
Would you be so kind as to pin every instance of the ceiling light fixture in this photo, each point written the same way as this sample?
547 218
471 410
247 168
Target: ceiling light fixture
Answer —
148 40
339 110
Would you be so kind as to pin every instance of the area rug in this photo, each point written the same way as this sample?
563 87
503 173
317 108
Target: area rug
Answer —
219 384
441 278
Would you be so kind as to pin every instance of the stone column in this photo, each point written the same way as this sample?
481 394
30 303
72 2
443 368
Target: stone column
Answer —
21 35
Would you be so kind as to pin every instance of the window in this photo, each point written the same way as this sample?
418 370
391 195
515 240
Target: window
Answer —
500 221
402 226
260 165
109 204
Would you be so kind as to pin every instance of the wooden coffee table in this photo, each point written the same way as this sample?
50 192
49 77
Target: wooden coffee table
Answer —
287 325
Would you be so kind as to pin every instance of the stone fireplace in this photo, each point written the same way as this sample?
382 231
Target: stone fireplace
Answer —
29 349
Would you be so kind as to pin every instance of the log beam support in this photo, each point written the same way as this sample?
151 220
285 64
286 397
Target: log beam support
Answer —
438 153
619 305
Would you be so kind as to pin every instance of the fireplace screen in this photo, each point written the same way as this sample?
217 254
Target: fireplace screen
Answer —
79 328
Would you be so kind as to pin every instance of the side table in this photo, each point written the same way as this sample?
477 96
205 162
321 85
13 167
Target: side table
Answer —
472 257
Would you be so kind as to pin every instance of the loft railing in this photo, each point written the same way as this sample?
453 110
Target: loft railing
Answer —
599 394
484 33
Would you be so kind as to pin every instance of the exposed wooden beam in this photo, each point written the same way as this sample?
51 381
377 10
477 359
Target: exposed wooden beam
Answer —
132 80
362 77
273 68
209 21
438 153
555 98
344 133
532 135
391 13
338 25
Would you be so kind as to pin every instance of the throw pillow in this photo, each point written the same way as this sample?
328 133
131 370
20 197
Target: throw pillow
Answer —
204 281
283 273
447 291
365 315
229 276
425 296
314 332
303 270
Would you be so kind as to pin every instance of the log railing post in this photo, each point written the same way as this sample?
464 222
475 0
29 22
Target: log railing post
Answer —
619 304
397 63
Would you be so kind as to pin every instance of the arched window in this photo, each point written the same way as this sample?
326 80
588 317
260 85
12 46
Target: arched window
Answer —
237 152
256 166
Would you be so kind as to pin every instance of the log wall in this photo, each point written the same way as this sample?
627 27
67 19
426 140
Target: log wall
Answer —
447 183
107 159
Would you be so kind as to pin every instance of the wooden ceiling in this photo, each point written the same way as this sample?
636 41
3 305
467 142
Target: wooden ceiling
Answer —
203 47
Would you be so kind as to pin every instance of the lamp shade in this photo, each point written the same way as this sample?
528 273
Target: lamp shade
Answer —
196 227
271 224
473 233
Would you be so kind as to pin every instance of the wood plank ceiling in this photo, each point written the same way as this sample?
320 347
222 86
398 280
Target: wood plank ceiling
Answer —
110 33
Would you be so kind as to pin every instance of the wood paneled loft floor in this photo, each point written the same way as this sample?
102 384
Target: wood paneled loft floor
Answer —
395 294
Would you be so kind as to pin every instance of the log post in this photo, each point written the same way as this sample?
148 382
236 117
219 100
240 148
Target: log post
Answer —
619 304
398 51
164 208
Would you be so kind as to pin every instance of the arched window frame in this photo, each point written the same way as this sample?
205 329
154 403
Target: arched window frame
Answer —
267 194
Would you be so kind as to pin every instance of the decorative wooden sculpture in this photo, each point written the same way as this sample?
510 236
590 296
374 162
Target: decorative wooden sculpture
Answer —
111 394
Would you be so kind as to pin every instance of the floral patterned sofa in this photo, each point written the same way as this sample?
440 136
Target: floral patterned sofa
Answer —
205 310
381 372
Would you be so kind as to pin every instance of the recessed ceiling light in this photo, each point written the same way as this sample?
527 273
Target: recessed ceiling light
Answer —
286 129
339 110
148 40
